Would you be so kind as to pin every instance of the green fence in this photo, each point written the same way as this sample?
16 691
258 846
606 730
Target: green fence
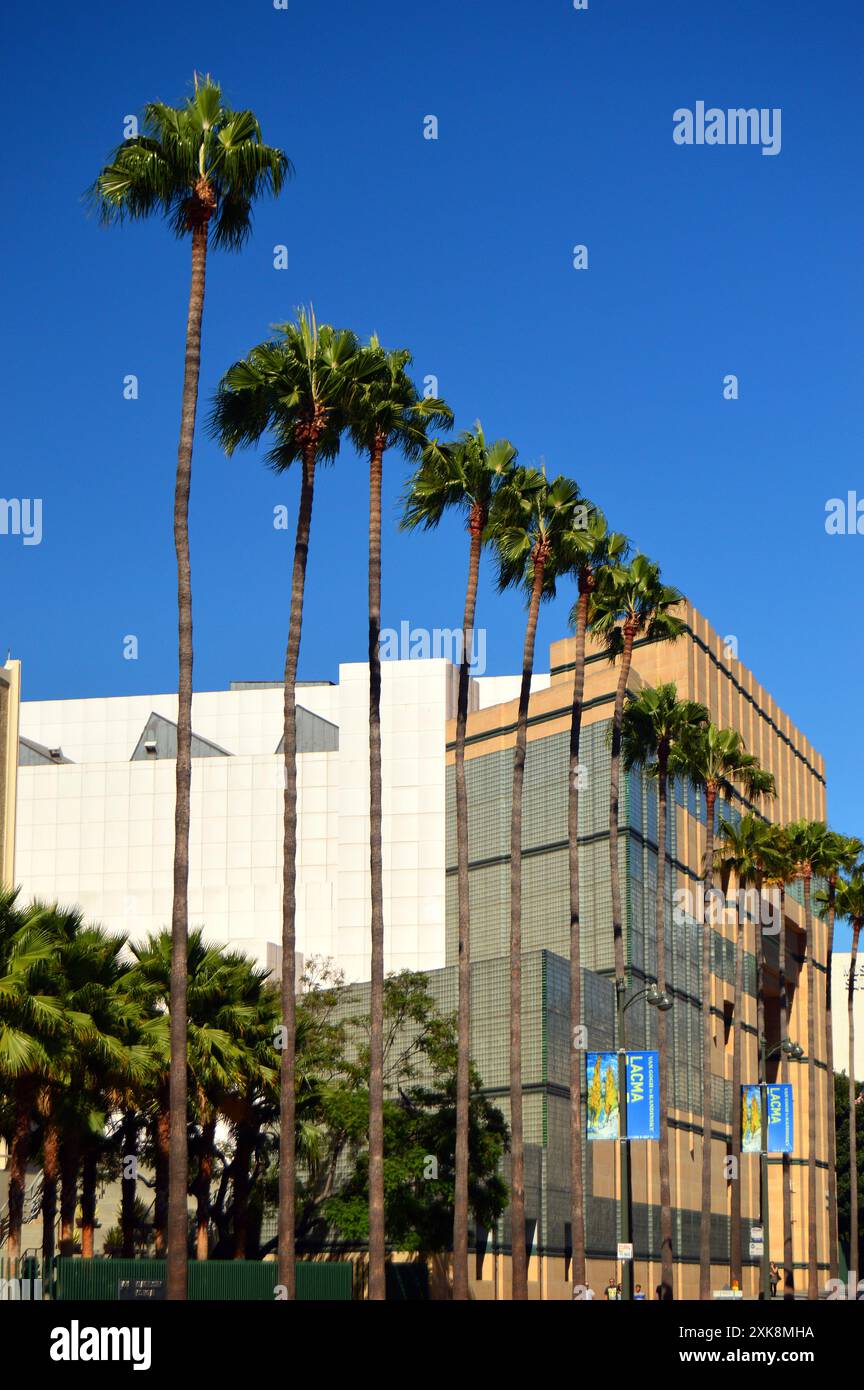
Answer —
236 1281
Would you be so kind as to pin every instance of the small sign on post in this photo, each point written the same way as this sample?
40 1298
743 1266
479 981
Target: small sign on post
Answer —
757 1242
625 1250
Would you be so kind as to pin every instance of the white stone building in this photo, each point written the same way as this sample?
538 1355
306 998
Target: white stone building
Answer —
96 806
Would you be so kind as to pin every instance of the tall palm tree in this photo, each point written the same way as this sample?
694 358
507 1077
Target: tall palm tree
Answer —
778 873
842 854
594 548
386 412
195 165
531 524
464 475
654 725
850 904
810 848
740 856
714 762
32 1032
629 604
296 389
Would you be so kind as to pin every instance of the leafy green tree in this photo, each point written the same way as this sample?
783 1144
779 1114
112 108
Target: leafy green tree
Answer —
200 166
296 389
420 1058
464 475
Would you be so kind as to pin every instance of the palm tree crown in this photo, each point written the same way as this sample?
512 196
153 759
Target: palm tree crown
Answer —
296 386
199 160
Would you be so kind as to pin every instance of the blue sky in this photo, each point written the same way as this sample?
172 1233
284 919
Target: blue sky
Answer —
555 128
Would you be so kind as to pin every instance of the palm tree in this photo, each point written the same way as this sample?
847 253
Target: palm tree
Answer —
850 904
740 855
842 855
654 725
296 388
595 547
466 475
31 1037
713 762
530 526
810 849
629 604
778 874
386 412
197 164
232 1020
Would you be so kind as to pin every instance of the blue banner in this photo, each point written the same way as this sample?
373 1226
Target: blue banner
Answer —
781 1119
643 1096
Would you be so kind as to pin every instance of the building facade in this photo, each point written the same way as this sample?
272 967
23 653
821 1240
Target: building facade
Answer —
702 667
95 827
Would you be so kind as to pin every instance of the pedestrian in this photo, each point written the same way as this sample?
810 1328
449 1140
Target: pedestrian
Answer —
774 1275
639 1295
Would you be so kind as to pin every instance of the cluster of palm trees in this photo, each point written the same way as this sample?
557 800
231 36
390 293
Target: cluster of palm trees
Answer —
306 389
85 1053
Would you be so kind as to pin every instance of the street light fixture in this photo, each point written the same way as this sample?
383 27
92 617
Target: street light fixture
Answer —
658 999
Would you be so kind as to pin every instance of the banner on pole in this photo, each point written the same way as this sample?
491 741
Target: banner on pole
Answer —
603 1111
780 1119
643 1096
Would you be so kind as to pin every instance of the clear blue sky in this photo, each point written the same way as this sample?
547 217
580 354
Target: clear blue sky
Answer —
555 128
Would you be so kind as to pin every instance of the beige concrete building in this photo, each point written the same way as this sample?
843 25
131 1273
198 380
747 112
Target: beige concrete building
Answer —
703 668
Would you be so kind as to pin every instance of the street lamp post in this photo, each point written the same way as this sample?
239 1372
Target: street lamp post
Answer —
658 999
795 1052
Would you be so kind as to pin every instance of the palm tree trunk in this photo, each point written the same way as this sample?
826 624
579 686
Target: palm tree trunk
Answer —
833 1238
287 1081
88 1201
519 1257
161 1130
707 1049
178 1172
128 1184
205 1178
666 1250
25 1096
812 1248
463 1011
69 1154
762 1072
50 1179
853 1115
614 777
736 1254
377 1276
577 1194
241 1165
788 1262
